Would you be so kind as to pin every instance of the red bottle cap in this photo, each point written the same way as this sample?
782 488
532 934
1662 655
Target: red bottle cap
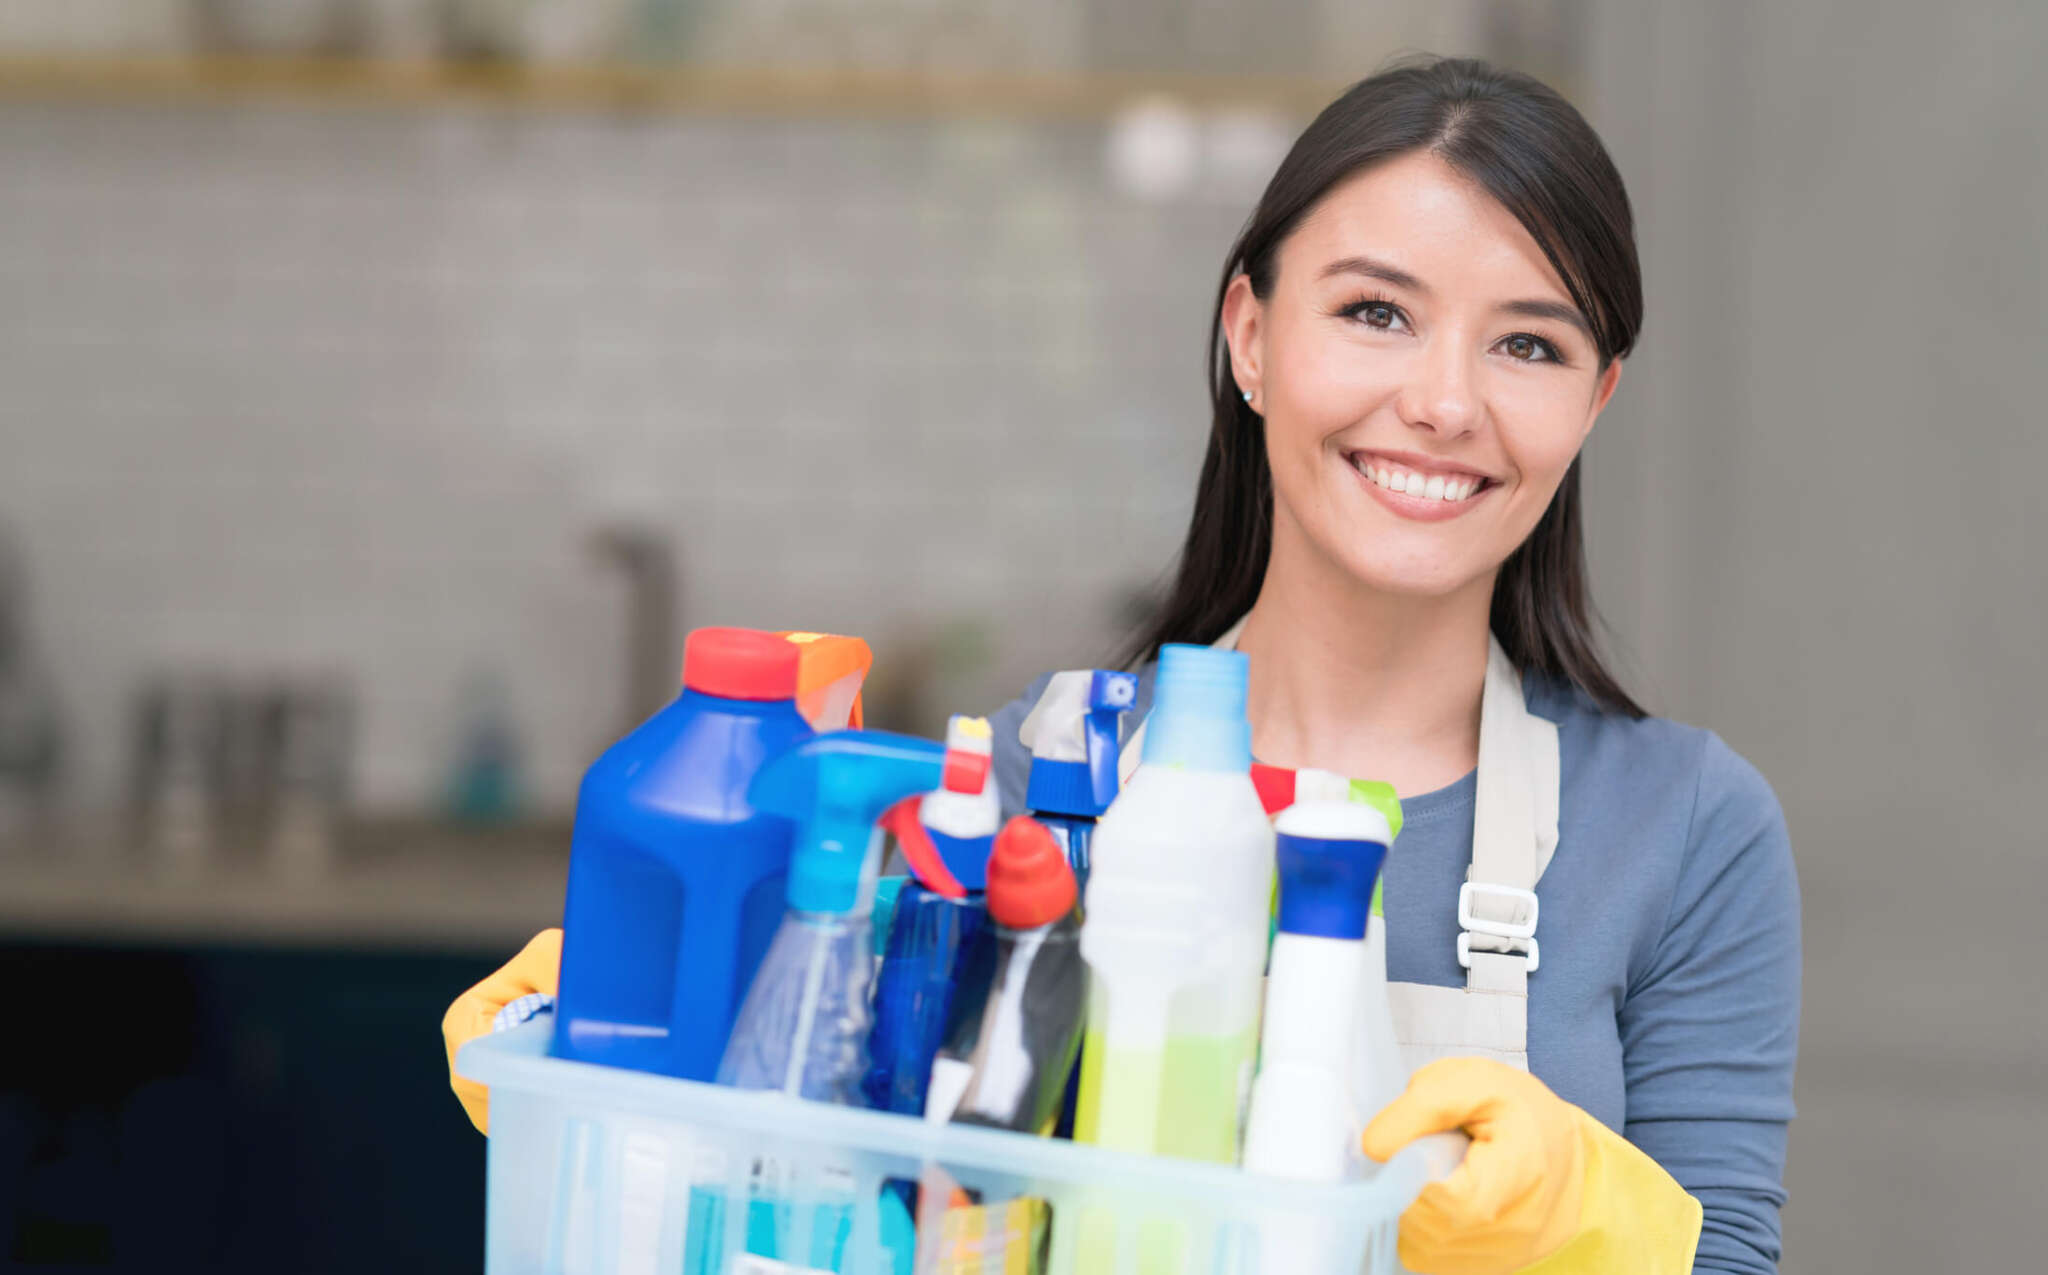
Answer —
965 772
741 664
1029 881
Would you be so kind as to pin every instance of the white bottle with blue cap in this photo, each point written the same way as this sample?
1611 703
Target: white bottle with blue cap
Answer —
1176 925
1304 1123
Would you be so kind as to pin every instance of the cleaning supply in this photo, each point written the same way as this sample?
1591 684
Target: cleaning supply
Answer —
803 1028
1377 1072
1072 735
1302 1123
939 940
1177 922
1008 1055
959 820
931 941
887 890
1280 787
1011 1238
1545 1189
675 877
830 671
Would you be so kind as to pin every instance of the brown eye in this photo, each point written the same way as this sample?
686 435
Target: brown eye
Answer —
1381 316
1524 348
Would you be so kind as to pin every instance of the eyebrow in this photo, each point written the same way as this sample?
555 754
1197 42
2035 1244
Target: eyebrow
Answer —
1551 310
1372 268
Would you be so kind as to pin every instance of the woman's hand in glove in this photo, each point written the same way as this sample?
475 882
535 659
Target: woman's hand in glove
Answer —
537 968
1544 1188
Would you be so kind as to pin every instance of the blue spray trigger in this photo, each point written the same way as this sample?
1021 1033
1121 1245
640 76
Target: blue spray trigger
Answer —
835 786
1117 691
1110 695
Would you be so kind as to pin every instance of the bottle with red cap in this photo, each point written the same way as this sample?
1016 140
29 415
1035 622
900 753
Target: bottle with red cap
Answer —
1008 1054
939 946
676 881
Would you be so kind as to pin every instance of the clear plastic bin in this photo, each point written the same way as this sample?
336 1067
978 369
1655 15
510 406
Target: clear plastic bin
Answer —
600 1171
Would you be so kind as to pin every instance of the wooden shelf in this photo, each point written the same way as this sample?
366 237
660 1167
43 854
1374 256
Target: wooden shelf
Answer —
703 90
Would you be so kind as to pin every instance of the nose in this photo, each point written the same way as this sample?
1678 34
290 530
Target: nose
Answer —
1442 396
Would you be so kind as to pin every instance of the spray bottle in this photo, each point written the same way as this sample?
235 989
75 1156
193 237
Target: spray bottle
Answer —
938 938
1009 1053
1072 735
1177 923
1303 1123
804 1027
1378 1074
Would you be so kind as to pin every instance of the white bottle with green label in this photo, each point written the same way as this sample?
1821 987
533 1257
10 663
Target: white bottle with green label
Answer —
1176 925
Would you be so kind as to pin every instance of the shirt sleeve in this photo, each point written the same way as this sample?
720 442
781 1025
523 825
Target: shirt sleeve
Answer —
1710 1024
1012 761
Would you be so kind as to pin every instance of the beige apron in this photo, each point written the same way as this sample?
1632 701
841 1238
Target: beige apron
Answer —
1514 833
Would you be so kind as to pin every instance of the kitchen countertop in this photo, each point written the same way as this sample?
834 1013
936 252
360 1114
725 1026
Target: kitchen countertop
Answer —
394 886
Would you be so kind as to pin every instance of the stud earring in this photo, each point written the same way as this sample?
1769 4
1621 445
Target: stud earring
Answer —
1247 396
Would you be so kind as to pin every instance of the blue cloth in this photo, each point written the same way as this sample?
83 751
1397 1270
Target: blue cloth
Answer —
1667 1005
524 1010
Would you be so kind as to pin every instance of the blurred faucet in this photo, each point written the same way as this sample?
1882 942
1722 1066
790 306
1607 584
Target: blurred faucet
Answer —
653 654
30 735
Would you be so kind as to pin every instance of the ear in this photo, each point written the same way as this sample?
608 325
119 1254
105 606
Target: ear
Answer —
1244 331
1603 389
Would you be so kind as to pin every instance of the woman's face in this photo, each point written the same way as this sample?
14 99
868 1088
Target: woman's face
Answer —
1425 379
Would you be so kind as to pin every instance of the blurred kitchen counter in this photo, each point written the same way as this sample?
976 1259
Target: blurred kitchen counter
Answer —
397 886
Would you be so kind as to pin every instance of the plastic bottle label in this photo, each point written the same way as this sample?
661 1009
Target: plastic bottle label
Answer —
754 1264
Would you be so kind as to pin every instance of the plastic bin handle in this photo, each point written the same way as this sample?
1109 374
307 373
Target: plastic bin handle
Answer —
1440 1153
1428 1159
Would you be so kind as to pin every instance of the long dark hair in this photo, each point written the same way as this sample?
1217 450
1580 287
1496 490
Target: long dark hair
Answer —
1539 158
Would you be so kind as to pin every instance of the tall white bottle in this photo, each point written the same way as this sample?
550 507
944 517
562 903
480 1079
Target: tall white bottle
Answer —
1304 1122
1175 933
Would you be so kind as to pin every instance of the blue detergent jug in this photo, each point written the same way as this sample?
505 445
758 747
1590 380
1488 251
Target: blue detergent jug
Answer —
676 881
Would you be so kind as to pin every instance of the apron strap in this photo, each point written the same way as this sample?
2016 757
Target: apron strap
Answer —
1514 834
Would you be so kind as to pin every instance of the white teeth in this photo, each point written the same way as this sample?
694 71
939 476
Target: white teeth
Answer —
1450 490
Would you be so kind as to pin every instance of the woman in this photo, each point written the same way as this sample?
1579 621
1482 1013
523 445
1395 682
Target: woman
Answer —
1414 336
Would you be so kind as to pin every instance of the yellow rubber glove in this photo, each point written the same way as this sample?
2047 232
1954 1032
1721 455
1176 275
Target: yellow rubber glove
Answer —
537 968
1545 1187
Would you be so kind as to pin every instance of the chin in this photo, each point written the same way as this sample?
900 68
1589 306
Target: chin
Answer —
1414 579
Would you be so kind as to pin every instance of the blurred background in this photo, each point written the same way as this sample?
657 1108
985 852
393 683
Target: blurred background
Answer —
386 386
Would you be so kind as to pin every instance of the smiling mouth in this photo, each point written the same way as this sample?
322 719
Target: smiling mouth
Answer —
1449 488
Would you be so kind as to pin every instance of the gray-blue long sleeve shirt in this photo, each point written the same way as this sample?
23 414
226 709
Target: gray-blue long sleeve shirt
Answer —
1667 1004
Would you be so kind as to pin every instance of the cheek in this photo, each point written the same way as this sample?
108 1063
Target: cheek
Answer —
1542 443
1326 381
